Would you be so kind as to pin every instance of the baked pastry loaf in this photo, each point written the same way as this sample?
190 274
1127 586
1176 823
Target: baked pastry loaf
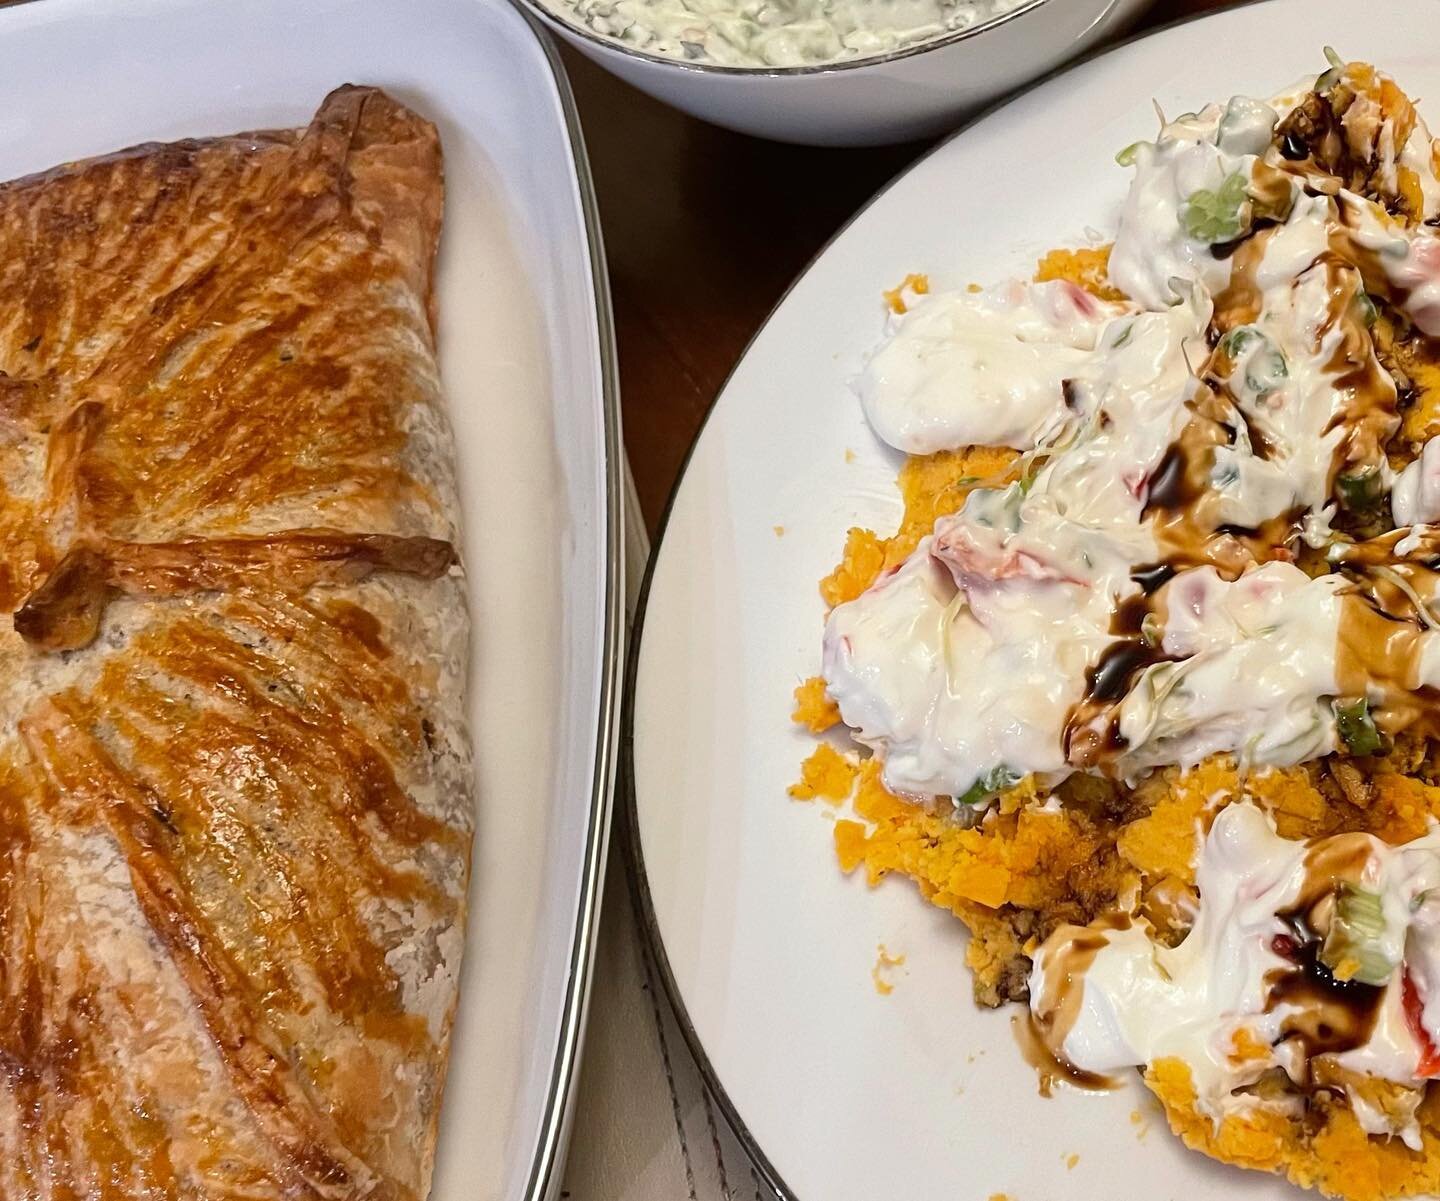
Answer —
234 771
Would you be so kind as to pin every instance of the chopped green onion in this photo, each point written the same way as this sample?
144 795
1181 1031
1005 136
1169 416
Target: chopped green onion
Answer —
1368 311
1266 371
1329 78
1218 216
1356 727
1222 475
1234 343
1151 632
1360 490
1354 945
1127 157
1266 368
1124 336
995 780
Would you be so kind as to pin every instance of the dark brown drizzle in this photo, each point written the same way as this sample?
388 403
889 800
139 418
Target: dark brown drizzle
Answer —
1332 1016
1185 510
1171 485
1152 578
1092 730
1050 1067
1381 632
1382 635
1328 1016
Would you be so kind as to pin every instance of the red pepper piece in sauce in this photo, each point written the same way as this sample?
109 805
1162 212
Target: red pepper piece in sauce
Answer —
1429 1055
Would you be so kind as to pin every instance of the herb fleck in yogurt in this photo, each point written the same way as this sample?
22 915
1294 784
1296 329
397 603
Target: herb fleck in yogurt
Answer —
776 33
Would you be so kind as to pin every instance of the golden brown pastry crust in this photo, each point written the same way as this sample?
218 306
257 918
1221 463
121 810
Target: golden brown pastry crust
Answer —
234 772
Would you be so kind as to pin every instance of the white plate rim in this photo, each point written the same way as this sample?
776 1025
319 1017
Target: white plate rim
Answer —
549 1157
627 816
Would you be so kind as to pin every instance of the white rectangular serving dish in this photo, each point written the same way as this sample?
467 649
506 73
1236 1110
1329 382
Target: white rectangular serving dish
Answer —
526 356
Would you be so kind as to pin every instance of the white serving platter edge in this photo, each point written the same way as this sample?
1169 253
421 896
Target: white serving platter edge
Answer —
527 359
841 1093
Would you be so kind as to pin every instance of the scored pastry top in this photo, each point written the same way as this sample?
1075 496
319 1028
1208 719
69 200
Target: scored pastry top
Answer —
234 770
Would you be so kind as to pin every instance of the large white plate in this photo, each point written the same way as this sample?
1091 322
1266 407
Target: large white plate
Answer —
846 1093
525 357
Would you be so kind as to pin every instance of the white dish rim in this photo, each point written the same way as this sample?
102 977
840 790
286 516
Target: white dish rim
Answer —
548 1158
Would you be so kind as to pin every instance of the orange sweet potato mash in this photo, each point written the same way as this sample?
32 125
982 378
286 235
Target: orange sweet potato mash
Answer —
1026 867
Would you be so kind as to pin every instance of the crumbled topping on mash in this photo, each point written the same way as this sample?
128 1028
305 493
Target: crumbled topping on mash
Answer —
1146 685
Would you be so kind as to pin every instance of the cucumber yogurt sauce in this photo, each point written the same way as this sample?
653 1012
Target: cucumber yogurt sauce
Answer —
776 33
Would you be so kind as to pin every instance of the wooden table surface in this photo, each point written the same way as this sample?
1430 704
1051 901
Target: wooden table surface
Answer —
693 269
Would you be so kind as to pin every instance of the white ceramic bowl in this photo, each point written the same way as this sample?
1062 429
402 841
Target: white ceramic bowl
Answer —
911 93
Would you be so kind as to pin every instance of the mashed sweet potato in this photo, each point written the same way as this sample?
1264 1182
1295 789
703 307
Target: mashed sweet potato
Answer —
1035 860
1322 1147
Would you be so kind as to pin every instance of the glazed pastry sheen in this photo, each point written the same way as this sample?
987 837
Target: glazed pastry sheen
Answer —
234 772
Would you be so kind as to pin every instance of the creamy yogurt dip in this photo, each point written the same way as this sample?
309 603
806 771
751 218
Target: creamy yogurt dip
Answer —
1201 549
1129 602
776 33
1235 998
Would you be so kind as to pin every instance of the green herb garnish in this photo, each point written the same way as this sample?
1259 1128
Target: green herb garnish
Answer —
1127 157
1354 945
995 780
1360 490
1218 216
1234 343
1266 368
1356 727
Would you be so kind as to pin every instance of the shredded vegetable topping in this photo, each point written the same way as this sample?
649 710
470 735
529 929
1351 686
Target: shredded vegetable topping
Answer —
1152 703
1354 945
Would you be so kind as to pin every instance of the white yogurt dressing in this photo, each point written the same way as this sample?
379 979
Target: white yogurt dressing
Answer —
1142 1001
1152 249
963 665
1018 590
1238 392
1283 382
1197 152
1255 666
981 367
776 33
1415 498
1409 258
914 656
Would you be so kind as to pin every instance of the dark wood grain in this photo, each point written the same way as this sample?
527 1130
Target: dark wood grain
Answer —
704 230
